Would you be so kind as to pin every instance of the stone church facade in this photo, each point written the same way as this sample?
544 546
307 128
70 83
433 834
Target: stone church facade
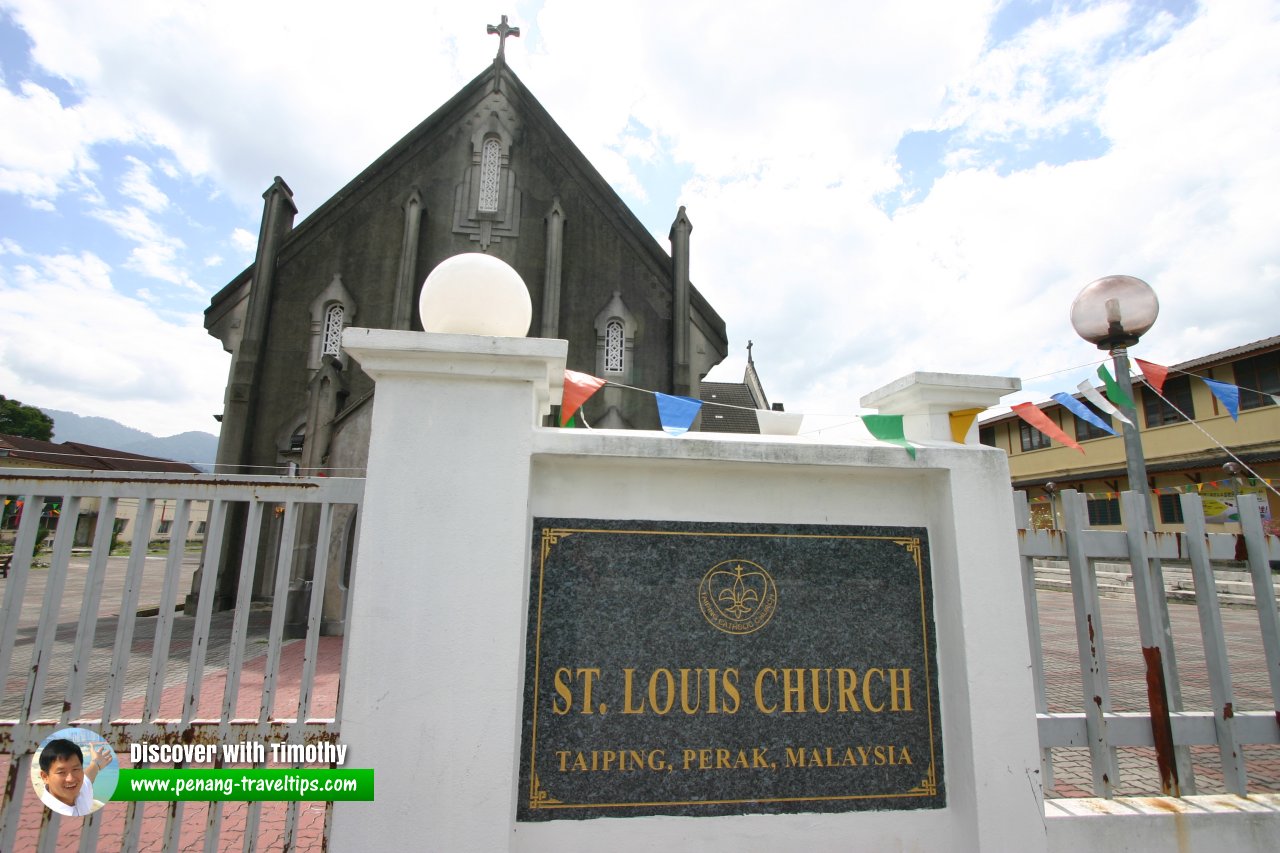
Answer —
490 171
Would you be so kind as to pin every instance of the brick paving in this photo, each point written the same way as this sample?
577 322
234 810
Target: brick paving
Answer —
1071 766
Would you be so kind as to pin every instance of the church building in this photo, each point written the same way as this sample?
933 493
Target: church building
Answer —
490 171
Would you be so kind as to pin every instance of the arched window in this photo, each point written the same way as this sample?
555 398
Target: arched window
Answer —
331 343
490 171
614 346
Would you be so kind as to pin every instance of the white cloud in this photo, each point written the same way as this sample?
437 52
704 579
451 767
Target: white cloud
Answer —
157 254
1044 79
137 185
788 121
244 241
979 275
72 342
43 144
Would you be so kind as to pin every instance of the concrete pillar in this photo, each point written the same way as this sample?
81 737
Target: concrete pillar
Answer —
406 277
238 411
554 265
681 382
435 655
926 401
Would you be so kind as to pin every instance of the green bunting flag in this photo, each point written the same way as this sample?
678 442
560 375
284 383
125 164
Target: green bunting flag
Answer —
1114 391
888 428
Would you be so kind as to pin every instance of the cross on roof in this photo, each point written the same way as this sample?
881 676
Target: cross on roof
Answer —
502 31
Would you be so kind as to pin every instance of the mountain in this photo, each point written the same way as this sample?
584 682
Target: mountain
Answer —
197 448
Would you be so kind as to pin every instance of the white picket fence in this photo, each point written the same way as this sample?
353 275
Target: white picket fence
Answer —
78 671
89 663
1166 726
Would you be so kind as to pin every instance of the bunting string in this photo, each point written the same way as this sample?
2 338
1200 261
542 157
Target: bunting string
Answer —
1219 444
1155 376
1213 485
676 414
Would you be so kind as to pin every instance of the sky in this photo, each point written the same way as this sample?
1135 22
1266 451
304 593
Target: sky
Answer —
875 188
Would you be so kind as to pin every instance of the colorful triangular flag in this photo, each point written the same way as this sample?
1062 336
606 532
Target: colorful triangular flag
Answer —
676 413
1104 405
1080 410
1114 391
961 420
1155 374
1030 413
888 428
578 387
1229 395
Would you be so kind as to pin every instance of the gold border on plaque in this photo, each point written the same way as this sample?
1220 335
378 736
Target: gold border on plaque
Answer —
551 536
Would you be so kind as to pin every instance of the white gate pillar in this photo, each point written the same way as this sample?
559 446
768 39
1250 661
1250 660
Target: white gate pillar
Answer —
432 696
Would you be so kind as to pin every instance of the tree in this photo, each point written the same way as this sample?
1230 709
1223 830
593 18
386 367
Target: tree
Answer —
22 420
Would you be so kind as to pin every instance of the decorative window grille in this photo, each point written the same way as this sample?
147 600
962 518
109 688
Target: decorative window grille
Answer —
490 169
613 347
333 319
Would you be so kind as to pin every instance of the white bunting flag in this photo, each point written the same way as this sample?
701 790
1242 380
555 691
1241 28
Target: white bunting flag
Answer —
1091 394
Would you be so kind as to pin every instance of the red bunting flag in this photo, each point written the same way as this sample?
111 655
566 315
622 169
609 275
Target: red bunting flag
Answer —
1038 419
1155 374
578 387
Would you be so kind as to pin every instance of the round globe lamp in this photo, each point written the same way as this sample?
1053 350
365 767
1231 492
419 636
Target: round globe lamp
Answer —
475 294
1114 311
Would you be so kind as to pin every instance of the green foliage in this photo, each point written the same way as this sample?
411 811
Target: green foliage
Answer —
22 420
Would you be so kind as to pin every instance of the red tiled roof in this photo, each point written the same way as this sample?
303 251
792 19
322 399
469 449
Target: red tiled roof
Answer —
71 454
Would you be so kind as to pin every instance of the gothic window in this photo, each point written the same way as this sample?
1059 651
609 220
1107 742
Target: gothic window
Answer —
614 346
333 320
490 171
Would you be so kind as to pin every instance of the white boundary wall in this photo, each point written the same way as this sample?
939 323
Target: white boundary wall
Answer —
457 469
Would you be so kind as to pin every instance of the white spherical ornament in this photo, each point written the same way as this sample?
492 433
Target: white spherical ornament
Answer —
475 294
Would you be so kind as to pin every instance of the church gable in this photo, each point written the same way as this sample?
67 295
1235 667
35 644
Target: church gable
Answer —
489 171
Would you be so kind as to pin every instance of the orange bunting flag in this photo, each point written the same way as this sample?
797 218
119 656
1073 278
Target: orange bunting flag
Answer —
1155 374
578 387
961 420
1038 419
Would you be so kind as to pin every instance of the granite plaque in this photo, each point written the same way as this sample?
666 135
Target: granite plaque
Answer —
687 668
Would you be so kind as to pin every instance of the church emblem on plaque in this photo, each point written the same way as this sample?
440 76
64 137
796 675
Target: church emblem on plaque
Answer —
737 596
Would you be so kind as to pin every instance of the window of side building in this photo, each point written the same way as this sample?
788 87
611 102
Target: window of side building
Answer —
1177 390
1032 438
1170 509
1104 511
1258 377
1086 430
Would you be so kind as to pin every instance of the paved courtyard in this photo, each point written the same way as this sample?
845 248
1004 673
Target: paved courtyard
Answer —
1071 766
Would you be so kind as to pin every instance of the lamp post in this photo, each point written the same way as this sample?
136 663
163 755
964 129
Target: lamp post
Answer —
1113 313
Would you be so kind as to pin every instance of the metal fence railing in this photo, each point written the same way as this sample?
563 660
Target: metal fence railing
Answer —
1167 729
96 637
